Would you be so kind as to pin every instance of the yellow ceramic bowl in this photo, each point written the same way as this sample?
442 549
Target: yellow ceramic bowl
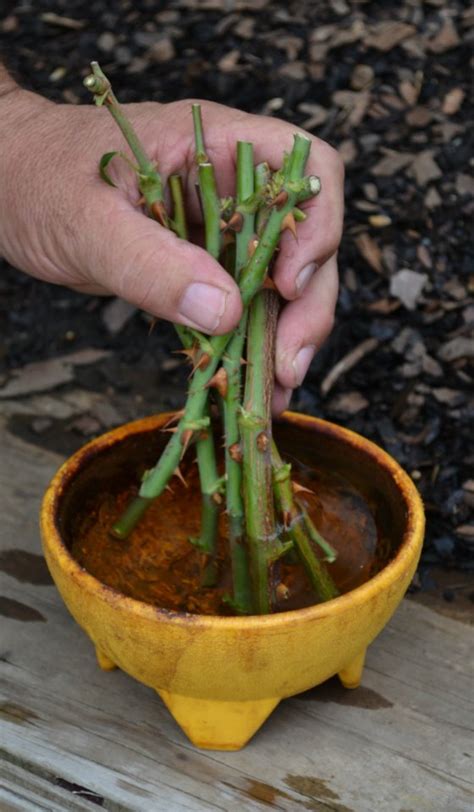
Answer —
221 677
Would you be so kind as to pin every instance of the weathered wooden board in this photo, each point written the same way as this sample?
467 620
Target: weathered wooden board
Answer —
75 738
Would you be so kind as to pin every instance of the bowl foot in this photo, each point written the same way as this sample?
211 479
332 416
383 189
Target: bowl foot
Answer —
217 724
351 675
105 663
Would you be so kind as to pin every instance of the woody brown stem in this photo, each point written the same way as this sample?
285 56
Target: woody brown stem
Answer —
265 547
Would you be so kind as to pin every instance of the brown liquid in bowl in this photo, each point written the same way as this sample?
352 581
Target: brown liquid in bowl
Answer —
157 564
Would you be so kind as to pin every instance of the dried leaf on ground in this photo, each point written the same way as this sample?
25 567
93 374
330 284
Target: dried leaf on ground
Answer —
316 112
347 150
446 38
116 314
348 403
41 376
369 249
362 77
424 168
449 397
424 256
460 347
431 367
380 220
432 198
453 101
392 163
409 92
294 70
407 286
354 103
161 51
464 184
387 34
419 117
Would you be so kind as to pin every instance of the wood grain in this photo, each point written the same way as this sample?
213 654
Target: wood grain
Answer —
75 738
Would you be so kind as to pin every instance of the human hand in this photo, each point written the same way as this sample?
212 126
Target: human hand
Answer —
59 222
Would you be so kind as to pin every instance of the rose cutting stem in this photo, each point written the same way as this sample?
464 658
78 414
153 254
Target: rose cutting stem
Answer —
179 223
205 447
301 530
265 546
150 185
232 362
149 179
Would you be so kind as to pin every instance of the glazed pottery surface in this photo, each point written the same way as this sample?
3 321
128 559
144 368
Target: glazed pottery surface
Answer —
221 677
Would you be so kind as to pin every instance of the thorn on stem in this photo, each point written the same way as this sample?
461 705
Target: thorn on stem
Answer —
289 223
202 363
300 488
268 284
236 222
185 439
235 452
158 212
220 382
174 419
198 361
190 354
280 200
177 472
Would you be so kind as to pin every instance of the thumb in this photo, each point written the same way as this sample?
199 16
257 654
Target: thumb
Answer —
149 266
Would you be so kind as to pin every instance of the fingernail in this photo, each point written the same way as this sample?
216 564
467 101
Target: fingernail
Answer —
304 276
204 305
301 362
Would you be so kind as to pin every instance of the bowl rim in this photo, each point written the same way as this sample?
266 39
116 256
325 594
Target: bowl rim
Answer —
408 551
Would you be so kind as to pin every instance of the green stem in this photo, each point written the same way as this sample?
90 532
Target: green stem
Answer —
180 228
209 199
245 188
298 525
211 208
156 479
271 234
200 149
253 275
210 484
179 224
149 180
262 179
232 364
205 448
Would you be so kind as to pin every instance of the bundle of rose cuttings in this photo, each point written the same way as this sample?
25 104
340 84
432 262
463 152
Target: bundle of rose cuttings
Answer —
234 373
